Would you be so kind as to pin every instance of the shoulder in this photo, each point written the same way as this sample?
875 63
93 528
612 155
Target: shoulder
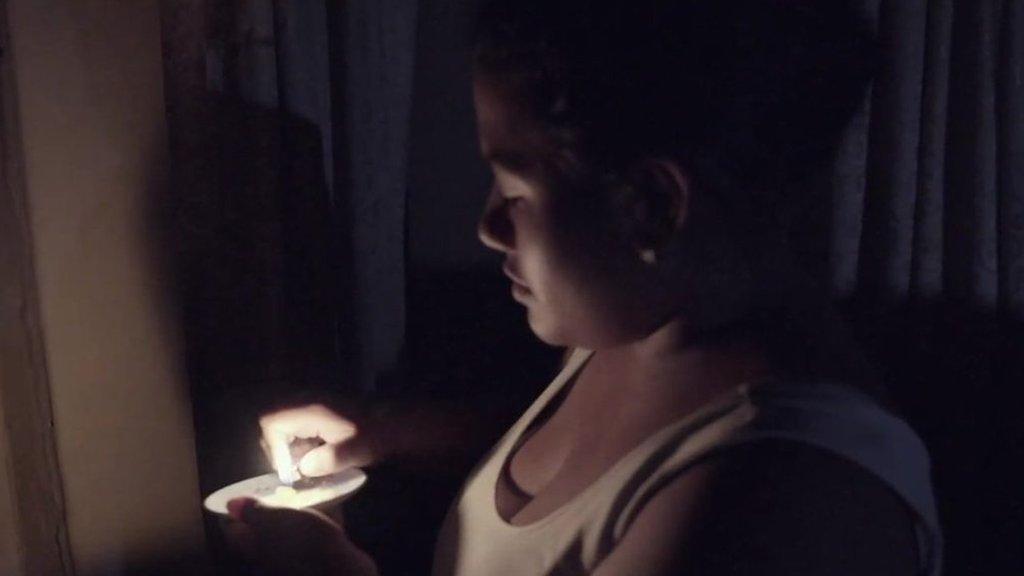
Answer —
770 507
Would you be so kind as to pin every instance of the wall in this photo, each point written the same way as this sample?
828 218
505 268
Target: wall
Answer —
90 98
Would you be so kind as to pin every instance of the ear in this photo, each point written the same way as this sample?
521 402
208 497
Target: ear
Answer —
660 201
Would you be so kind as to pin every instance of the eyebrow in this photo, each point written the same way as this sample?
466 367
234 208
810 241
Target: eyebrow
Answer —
513 161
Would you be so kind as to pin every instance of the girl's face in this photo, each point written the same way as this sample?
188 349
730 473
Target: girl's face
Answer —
581 283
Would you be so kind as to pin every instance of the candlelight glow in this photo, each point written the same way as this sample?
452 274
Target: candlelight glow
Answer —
281 459
287 497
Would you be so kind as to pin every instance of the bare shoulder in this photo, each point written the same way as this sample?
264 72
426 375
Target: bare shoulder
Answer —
770 507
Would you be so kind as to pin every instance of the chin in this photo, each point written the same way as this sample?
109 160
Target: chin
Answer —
554 342
548 329
544 331
554 332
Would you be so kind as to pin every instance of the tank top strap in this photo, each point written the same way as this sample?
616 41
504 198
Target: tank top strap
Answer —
515 434
657 461
834 417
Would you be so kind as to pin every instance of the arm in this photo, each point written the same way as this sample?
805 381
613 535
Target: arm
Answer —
429 434
442 437
770 508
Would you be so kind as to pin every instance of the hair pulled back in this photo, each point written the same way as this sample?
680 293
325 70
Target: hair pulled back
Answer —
749 92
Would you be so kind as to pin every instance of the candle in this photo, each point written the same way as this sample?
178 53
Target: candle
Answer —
281 459
288 497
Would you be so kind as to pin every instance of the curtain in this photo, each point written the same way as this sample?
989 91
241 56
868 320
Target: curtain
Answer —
299 111
379 56
925 251
939 155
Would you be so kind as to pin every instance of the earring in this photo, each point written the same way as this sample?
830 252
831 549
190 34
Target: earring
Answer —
648 256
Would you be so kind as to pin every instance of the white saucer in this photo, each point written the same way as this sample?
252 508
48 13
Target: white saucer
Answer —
326 492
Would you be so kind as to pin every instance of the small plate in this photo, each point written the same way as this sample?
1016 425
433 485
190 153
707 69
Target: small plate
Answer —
269 490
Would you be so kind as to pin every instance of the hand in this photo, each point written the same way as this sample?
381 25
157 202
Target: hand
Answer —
427 436
346 443
291 542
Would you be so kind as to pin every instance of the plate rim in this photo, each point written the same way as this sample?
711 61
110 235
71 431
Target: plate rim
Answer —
359 474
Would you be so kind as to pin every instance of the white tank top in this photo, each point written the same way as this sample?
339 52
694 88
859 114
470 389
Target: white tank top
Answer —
474 540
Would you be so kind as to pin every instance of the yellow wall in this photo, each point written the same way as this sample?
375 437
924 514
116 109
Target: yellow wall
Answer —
90 98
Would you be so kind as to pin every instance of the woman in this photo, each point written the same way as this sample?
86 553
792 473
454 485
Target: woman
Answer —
712 417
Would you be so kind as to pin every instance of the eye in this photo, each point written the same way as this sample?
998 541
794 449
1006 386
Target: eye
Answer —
510 188
512 199
511 202
498 190
509 199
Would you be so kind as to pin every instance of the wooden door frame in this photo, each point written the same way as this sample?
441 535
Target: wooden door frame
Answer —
31 463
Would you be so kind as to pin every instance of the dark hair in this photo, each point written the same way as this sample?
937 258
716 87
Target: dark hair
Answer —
755 90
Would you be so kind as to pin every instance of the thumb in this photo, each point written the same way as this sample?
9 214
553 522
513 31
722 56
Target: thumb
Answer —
239 508
249 511
254 513
333 458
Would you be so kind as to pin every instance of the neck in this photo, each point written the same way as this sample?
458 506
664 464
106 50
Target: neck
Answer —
731 355
786 329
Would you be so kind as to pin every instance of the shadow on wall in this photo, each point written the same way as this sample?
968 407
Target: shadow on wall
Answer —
254 249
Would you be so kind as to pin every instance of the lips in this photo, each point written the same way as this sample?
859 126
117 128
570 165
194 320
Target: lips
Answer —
514 277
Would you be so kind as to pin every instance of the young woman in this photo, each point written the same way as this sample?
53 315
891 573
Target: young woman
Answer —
712 417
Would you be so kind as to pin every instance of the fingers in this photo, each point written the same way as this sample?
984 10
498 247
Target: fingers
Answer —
238 507
313 421
333 458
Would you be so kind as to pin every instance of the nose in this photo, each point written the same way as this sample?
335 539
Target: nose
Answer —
495 228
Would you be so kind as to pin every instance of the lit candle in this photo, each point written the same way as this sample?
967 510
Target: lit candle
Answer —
281 459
